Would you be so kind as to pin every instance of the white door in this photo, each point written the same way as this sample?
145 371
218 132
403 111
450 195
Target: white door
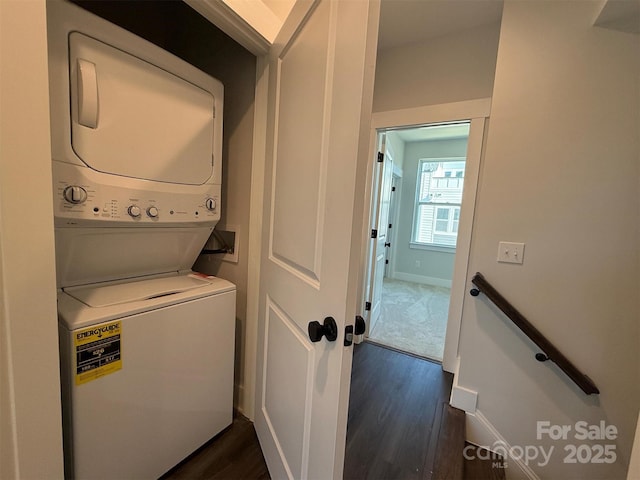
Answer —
317 82
380 229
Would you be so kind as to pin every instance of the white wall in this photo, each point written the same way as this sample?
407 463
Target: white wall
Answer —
446 69
561 174
30 415
434 266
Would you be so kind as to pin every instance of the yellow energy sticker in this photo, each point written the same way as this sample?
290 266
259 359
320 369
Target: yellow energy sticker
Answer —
97 351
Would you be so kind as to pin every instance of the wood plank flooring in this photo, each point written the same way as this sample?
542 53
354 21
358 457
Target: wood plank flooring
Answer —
394 415
234 454
449 462
483 465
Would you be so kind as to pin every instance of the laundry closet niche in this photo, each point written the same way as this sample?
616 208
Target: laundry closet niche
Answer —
180 30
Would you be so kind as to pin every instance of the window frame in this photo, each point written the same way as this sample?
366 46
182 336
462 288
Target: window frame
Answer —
418 203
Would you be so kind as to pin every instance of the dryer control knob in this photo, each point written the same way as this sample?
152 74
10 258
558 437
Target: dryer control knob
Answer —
152 212
133 211
210 203
74 194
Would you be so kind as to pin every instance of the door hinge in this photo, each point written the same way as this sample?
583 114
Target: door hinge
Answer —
380 157
390 225
386 262
387 244
367 306
374 233
393 189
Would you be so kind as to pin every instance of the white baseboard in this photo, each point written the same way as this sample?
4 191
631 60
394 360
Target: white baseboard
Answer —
410 277
482 433
462 398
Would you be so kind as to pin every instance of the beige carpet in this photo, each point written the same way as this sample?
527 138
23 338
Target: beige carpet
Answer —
413 318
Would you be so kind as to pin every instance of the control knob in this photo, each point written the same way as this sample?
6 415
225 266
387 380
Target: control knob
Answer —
74 194
152 212
210 203
133 211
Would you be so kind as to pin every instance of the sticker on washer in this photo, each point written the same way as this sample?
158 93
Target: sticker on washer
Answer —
97 351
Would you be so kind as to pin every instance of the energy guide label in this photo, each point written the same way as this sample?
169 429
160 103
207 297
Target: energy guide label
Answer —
98 351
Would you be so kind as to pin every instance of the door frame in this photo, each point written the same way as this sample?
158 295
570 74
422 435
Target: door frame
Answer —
394 213
382 170
477 111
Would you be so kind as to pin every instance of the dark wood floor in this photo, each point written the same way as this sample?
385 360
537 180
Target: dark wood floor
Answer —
234 454
394 419
394 415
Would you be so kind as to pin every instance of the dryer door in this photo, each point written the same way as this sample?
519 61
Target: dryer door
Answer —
133 119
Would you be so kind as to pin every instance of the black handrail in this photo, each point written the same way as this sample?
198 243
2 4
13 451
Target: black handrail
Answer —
550 352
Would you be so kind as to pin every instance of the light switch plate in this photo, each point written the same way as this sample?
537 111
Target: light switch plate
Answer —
511 252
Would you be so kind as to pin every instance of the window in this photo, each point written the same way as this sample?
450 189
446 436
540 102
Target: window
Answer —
447 220
438 198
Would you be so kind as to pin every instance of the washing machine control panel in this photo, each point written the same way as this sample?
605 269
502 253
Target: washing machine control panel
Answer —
82 195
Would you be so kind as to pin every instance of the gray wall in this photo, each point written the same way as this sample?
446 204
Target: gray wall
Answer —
560 173
446 69
433 264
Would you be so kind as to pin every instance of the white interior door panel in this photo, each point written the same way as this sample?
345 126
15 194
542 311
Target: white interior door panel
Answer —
317 75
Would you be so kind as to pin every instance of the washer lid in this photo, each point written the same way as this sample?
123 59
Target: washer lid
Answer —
80 307
115 294
90 255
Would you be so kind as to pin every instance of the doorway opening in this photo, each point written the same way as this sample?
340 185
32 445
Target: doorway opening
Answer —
417 200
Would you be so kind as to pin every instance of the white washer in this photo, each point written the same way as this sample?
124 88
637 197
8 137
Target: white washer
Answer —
147 370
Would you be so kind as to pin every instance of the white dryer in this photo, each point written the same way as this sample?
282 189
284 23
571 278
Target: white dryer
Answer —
147 346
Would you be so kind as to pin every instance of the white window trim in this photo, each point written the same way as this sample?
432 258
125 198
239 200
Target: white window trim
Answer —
417 203
432 248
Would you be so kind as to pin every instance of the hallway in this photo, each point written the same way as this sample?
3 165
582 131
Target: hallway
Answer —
395 412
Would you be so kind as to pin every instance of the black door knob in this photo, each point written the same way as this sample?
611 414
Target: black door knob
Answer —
329 329
360 325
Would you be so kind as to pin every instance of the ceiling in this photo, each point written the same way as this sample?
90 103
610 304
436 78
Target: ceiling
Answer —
411 21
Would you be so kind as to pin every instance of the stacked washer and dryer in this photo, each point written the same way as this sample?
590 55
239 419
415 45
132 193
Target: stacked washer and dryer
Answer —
146 344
